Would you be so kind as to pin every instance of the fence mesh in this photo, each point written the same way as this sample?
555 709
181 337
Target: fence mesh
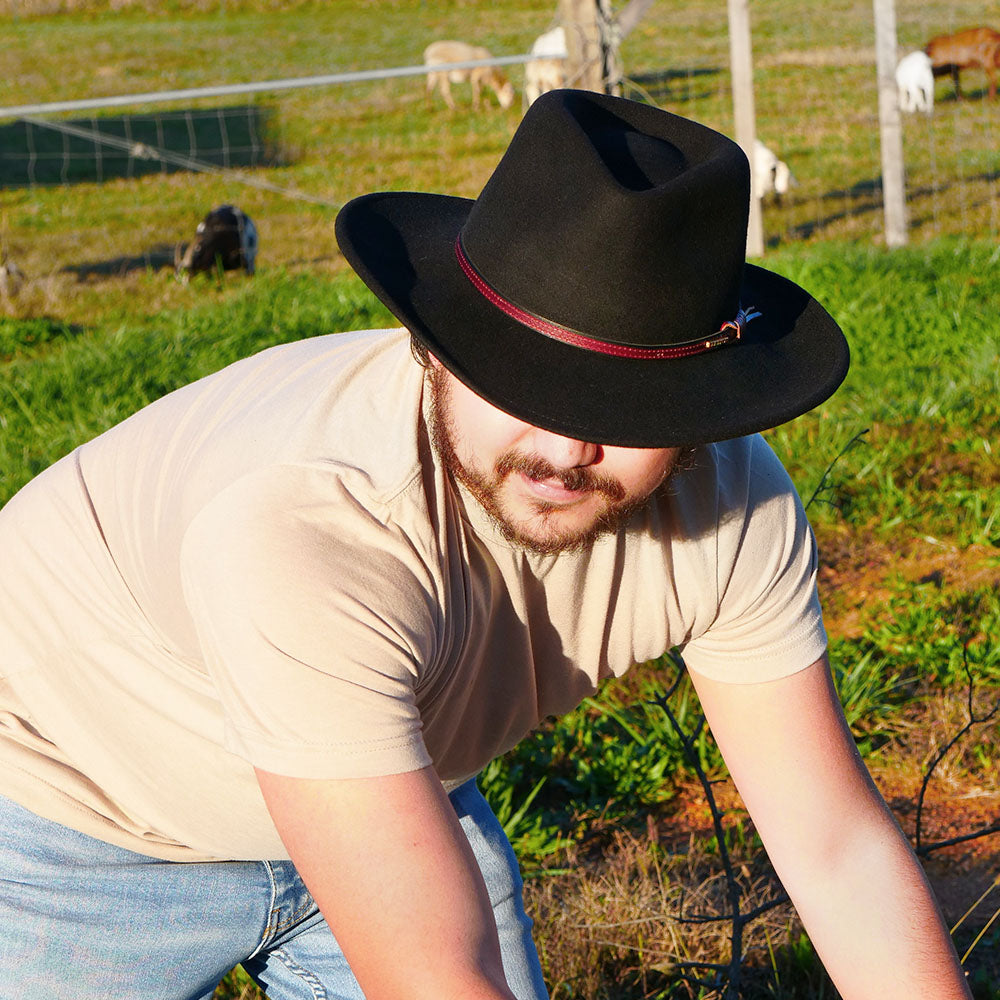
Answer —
97 195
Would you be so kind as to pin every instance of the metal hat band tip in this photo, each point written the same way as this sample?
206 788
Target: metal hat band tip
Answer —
729 333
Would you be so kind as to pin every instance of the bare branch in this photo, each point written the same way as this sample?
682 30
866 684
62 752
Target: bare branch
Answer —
732 972
823 485
924 849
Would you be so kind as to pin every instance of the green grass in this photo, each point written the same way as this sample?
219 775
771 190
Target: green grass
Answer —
924 383
86 246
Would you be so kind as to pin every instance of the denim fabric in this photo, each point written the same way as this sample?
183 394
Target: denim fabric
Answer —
81 918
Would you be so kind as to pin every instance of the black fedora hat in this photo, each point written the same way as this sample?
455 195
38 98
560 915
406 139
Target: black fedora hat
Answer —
598 286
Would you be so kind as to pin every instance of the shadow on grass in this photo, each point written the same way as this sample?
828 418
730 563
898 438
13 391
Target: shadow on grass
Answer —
155 258
159 257
659 85
980 94
865 198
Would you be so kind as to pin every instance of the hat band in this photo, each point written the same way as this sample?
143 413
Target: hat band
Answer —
729 333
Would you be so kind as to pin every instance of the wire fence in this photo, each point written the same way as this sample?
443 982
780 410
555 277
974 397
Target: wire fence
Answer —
39 148
291 150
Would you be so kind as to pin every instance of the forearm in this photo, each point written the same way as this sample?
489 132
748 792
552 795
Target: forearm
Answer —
390 869
834 843
874 922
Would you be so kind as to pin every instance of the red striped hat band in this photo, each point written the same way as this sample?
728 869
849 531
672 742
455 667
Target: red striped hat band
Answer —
729 333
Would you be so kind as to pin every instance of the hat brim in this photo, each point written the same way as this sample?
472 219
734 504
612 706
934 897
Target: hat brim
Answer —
790 359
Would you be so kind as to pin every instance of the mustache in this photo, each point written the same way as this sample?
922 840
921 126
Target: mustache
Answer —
577 479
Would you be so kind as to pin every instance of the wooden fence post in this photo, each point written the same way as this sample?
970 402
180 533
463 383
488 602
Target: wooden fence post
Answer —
591 49
743 111
890 127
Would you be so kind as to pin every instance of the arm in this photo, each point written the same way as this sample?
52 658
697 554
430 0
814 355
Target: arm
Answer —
391 870
837 849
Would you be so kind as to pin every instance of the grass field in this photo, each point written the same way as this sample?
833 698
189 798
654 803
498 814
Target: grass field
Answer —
88 248
900 468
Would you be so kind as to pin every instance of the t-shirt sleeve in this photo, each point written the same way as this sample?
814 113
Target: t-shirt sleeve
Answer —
769 623
315 619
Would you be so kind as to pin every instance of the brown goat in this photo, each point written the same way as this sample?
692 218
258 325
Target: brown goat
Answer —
965 50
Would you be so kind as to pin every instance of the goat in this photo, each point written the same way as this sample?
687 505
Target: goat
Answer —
771 175
226 237
915 82
11 277
458 52
547 71
965 50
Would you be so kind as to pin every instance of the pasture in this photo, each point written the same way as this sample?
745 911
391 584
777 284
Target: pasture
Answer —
609 810
86 246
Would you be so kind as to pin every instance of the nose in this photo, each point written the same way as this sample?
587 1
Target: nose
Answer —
564 452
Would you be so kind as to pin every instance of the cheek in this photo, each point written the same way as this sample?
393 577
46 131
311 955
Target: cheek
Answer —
485 430
641 474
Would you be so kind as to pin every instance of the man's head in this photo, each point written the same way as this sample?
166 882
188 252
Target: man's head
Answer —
597 288
546 492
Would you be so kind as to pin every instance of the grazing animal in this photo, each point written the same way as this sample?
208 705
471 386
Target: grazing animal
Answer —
479 76
915 82
974 47
548 70
226 238
11 277
771 175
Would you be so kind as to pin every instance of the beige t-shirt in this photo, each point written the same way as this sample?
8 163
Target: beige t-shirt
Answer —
268 567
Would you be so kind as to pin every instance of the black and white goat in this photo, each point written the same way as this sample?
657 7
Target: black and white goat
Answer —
225 238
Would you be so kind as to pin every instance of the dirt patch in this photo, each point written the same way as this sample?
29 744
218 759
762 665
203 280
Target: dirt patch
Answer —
959 874
857 571
954 806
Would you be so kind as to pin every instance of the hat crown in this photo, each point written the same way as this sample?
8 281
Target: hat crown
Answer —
614 219
598 287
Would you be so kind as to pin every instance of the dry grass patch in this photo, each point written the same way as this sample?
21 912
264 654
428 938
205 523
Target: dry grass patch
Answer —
634 921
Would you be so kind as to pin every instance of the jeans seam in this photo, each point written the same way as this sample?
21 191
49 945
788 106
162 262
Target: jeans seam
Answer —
272 911
293 918
310 979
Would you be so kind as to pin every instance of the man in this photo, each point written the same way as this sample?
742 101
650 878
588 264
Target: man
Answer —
259 638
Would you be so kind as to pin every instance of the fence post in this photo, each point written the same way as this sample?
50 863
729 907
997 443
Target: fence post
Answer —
743 111
591 56
890 127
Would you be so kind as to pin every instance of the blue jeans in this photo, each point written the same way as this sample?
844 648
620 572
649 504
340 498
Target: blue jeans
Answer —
80 918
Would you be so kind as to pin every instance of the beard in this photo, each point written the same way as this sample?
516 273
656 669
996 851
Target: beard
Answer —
541 532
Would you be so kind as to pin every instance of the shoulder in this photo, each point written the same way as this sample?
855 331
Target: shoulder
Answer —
758 543
726 485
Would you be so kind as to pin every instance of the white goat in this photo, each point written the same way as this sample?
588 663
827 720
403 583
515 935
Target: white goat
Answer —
11 277
771 175
548 70
915 82
459 52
